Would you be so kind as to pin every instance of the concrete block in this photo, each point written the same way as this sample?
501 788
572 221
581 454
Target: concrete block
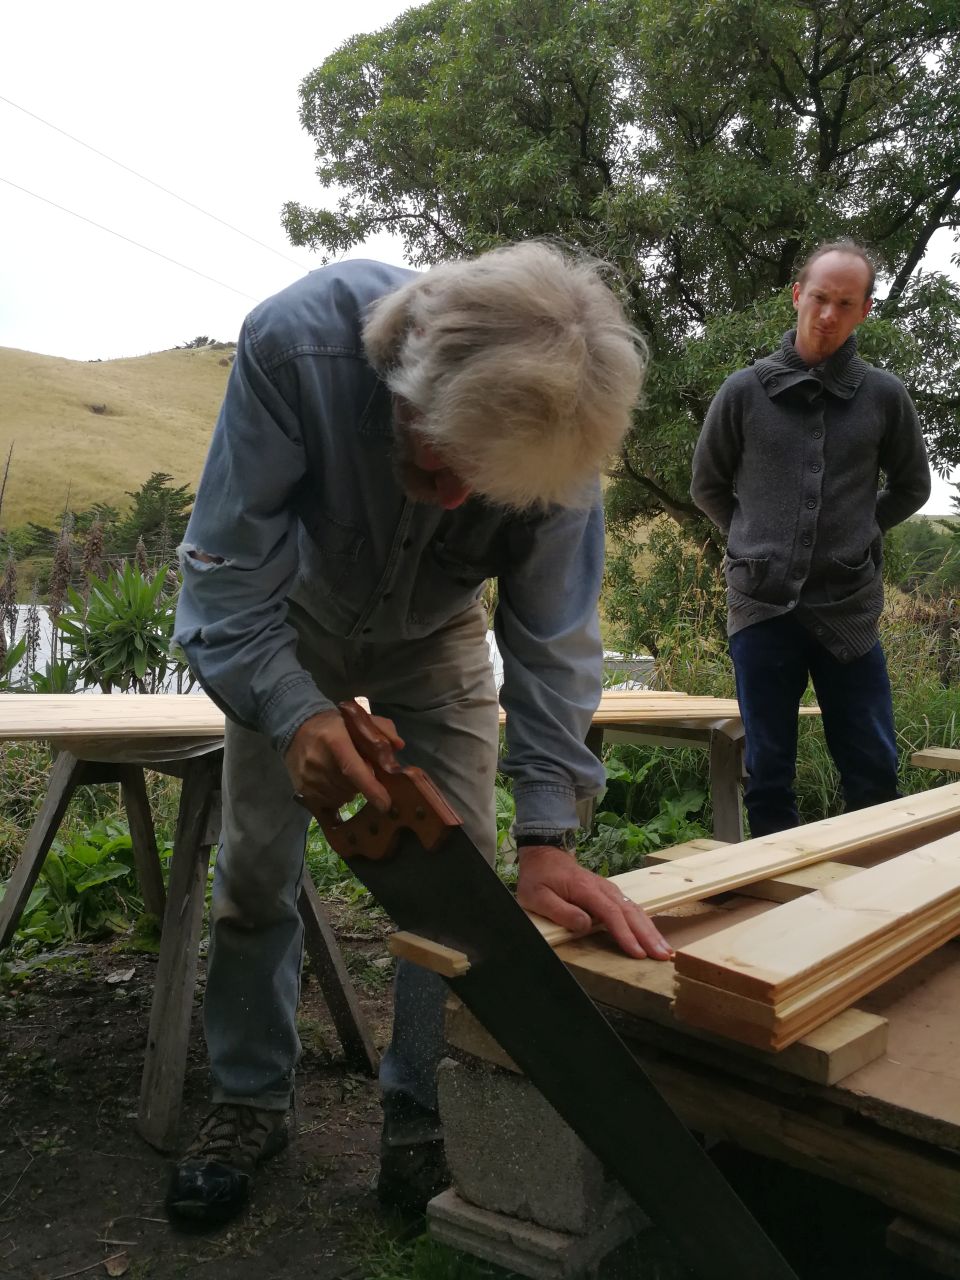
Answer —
524 1247
509 1152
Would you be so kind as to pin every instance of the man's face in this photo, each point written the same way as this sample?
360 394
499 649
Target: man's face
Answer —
830 304
423 472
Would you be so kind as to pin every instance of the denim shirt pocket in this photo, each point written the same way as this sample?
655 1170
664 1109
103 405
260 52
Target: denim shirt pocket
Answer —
446 584
336 547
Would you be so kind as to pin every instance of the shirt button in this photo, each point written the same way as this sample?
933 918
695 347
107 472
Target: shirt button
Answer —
798 572
806 540
816 467
791 603
844 653
406 544
811 503
817 435
386 596
818 631
366 631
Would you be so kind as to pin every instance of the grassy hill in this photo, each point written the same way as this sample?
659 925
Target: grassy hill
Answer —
99 428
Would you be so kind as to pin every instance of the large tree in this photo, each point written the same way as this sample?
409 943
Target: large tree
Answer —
700 146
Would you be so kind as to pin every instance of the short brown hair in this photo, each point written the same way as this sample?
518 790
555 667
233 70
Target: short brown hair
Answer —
847 246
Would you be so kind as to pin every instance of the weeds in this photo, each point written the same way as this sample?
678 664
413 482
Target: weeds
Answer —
87 888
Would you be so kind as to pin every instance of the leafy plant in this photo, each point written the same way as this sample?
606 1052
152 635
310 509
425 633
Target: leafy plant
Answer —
10 659
120 635
87 887
56 677
620 845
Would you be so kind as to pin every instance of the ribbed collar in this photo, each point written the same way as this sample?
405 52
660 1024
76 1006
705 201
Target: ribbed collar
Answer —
840 374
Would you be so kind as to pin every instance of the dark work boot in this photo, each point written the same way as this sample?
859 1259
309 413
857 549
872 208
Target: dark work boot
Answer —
211 1183
413 1167
411 1176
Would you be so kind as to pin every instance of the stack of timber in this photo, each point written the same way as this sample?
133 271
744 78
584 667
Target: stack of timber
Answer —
864 837
768 981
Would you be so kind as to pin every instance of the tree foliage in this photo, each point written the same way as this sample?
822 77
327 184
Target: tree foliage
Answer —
158 515
700 146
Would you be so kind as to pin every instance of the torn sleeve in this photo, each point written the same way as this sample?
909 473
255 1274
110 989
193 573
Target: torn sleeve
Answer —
239 560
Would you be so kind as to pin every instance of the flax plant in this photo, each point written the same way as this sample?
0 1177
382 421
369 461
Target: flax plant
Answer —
59 585
8 598
91 563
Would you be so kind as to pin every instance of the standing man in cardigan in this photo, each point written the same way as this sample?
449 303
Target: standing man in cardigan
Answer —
788 466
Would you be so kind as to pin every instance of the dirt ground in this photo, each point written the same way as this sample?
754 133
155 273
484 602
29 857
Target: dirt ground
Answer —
81 1194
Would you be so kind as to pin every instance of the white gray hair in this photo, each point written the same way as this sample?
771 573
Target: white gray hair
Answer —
520 366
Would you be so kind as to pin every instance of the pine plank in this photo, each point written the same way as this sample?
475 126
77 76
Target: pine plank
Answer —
774 1026
68 717
946 759
646 988
792 884
776 953
71 716
882 830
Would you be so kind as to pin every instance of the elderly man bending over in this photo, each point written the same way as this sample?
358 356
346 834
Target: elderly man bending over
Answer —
389 441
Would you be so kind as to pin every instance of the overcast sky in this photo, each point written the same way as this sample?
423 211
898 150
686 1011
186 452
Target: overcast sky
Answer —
199 98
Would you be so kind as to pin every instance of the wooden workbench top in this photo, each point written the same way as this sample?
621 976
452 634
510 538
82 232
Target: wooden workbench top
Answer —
73 717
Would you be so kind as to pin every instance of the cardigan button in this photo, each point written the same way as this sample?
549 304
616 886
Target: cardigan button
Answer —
811 503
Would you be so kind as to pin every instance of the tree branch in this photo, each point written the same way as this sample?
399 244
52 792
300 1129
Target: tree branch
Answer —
932 224
685 513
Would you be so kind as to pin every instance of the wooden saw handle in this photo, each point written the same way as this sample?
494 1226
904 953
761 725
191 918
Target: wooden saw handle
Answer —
416 804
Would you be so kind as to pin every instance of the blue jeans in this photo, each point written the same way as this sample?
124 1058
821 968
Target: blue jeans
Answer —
440 693
773 661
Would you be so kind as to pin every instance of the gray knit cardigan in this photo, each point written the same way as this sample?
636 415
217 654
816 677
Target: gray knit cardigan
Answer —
788 466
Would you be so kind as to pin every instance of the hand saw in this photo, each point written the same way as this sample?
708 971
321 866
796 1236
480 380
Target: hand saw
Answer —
433 882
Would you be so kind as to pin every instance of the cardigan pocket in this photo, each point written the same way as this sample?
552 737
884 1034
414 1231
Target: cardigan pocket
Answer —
746 573
846 579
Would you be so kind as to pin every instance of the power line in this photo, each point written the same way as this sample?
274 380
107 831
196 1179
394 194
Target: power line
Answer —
143 178
120 236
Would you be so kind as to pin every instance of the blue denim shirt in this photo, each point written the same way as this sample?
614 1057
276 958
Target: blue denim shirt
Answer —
299 499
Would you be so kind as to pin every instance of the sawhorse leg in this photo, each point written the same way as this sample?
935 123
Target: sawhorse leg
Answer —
726 778
67 774
169 1032
338 991
168 1037
133 789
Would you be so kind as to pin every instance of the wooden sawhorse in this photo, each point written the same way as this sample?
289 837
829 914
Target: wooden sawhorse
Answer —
180 907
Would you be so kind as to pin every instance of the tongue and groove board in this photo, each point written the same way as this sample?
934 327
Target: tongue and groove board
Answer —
768 981
867 835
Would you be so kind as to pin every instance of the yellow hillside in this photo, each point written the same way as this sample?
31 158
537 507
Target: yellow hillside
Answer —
156 414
